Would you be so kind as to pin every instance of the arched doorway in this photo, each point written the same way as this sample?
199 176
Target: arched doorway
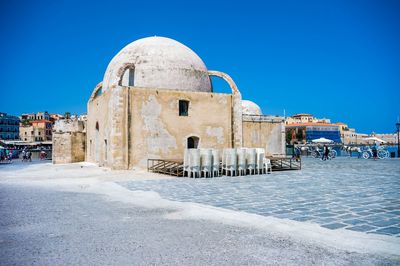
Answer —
192 142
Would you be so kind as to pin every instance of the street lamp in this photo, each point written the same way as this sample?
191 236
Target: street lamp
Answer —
398 138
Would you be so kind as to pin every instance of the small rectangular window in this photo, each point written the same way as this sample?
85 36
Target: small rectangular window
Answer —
183 108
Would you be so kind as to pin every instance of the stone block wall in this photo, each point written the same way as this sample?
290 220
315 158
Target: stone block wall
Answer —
69 142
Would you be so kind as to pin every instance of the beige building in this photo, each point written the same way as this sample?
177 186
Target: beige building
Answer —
56 117
156 99
305 118
351 137
36 116
388 138
36 131
348 135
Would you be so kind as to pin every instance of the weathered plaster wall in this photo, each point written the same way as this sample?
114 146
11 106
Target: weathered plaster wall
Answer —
237 140
263 134
62 148
157 130
69 141
99 111
140 123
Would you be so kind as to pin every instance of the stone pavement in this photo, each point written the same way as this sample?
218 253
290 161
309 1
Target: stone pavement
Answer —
354 194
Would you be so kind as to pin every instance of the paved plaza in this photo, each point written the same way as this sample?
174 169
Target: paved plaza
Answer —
354 194
82 214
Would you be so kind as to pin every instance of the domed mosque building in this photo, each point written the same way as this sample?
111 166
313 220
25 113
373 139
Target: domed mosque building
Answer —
156 100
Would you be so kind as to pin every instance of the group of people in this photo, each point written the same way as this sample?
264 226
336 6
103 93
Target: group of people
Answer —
26 155
6 155
325 152
324 155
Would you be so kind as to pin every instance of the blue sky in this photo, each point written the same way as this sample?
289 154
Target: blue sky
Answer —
335 59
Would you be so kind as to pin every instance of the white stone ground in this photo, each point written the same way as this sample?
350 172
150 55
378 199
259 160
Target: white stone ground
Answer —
78 214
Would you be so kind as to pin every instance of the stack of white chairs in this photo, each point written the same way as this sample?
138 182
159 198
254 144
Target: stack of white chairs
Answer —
260 163
241 165
215 162
225 156
206 162
260 160
251 157
194 162
230 161
223 162
186 165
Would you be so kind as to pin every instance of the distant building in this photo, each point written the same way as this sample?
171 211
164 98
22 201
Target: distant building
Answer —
389 138
56 117
9 127
82 117
36 131
306 132
35 116
42 116
305 118
302 128
348 135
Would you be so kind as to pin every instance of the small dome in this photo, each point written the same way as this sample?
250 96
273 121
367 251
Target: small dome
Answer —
250 108
158 62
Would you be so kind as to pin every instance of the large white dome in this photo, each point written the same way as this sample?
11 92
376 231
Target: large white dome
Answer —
158 62
250 108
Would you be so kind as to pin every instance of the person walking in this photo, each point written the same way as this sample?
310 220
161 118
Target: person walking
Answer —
325 153
297 151
375 151
24 155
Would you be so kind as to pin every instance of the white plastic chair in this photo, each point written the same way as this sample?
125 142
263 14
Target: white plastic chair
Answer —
215 162
206 162
241 165
231 161
268 165
194 162
251 157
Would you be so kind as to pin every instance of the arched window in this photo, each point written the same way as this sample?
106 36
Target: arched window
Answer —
128 78
98 92
105 150
192 142
97 144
